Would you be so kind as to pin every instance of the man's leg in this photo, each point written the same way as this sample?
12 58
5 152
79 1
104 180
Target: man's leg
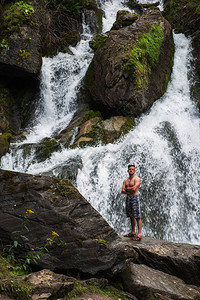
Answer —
133 223
139 224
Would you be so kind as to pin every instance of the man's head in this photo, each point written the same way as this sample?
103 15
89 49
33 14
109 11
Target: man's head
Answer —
131 169
131 166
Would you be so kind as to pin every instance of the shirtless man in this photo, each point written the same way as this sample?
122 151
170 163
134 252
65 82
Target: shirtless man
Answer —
130 188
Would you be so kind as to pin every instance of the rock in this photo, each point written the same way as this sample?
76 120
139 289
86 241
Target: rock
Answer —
86 243
48 285
124 18
179 259
145 282
21 57
89 128
122 81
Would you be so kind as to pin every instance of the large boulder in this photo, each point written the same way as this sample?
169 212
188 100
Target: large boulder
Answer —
132 65
145 283
53 210
179 259
21 57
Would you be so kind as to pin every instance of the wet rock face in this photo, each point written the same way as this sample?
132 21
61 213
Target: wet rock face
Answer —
86 243
123 79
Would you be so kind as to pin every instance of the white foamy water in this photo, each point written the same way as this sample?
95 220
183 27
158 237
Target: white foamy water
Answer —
165 145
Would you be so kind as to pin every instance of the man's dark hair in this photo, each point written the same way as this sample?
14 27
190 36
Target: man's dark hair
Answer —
132 165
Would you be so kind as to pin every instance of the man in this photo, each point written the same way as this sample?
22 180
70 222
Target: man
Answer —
130 188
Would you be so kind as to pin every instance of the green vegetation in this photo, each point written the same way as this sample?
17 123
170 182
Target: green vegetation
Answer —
80 289
144 55
16 289
197 11
90 115
17 14
22 55
98 40
4 142
10 285
46 148
3 44
128 125
21 266
72 6
65 188
101 241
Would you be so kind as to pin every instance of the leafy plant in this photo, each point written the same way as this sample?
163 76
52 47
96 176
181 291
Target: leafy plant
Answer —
19 237
3 44
22 55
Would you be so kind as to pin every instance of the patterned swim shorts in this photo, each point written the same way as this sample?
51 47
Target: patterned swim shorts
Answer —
133 206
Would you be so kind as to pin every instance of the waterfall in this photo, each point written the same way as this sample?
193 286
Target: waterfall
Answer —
164 145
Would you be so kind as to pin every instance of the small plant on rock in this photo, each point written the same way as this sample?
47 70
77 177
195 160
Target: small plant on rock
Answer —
22 55
22 265
3 44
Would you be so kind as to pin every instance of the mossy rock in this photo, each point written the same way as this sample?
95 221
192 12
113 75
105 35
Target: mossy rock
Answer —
98 40
46 148
124 18
4 143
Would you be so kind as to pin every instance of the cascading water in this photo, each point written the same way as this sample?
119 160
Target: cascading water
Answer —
165 145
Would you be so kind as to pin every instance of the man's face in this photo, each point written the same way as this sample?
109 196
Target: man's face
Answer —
131 170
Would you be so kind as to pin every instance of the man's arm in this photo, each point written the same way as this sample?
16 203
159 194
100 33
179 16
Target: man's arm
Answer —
124 188
135 187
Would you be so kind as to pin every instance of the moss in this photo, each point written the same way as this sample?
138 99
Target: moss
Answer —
46 148
98 40
99 14
197 11
90 115
128 125
109 291
143 56
16 289
4 142
16 14
101 241
64 188
10 284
